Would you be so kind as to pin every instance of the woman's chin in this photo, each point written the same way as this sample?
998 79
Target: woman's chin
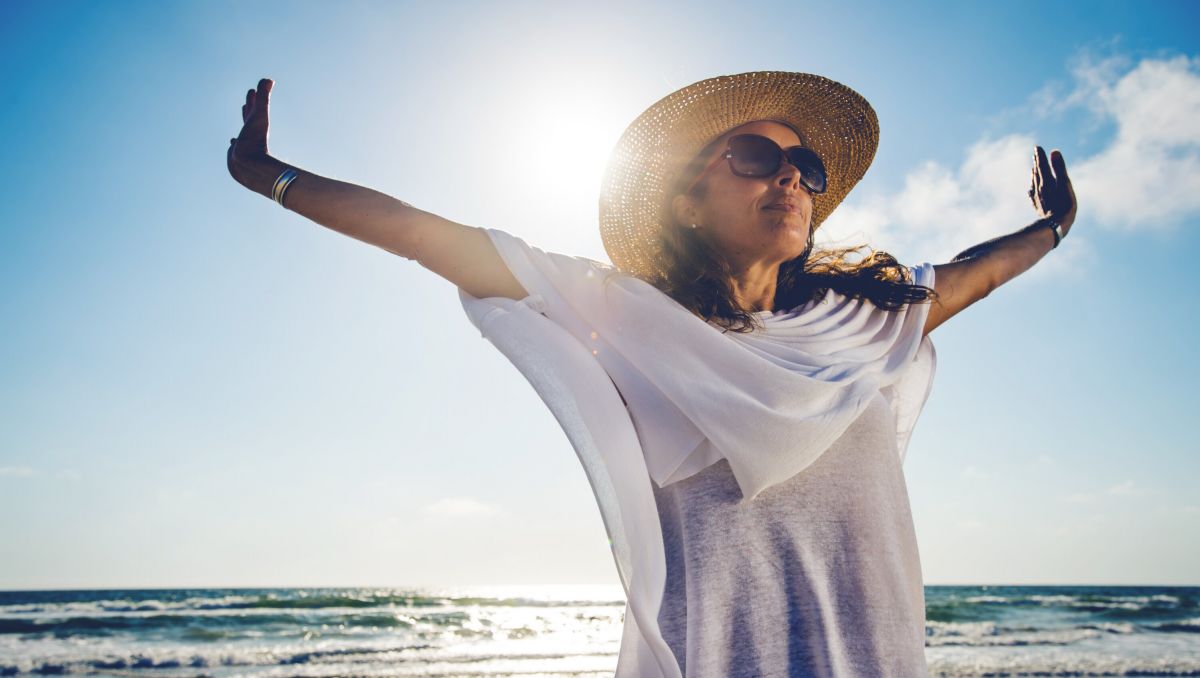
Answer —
791 222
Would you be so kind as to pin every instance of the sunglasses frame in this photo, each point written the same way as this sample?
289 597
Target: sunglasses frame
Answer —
782 158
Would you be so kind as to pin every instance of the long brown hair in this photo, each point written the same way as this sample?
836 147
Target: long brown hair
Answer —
699 277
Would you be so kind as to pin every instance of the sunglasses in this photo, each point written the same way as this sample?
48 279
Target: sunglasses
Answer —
753 155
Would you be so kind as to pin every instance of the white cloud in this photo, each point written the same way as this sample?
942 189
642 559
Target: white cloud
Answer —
941 211
459 507
1127 488
1089 523
1147 176
16 471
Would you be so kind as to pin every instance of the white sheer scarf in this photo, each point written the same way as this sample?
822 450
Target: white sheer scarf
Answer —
769 402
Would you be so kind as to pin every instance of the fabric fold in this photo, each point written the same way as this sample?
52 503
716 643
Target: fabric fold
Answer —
588 407
770 402
587 337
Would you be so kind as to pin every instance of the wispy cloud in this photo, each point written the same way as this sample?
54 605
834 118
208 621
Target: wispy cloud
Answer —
1183 509
16 471
971 471
1127 489
1090 523
459 507
1146 177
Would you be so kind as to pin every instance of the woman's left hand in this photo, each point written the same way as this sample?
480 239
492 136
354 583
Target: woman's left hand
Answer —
1051 193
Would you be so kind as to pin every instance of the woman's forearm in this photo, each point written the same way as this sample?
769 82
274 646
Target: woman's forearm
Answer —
357 211
1008 256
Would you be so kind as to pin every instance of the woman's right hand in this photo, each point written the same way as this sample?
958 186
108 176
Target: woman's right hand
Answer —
1051 190
249 148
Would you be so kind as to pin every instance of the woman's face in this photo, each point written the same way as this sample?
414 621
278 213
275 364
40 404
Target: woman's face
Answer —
736 213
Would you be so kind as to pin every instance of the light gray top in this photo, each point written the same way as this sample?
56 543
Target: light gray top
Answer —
817 576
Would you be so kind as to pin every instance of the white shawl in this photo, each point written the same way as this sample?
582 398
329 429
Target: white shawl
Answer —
769 402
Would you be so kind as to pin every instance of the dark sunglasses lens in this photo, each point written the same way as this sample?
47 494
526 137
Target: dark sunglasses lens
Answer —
758 156
812 170
754 156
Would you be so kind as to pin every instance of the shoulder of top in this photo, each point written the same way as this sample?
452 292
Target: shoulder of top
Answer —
604 268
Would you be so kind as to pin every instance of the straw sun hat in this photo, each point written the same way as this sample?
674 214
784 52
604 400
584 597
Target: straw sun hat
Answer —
644 167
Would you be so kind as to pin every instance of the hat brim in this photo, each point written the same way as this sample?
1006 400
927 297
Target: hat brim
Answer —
832 119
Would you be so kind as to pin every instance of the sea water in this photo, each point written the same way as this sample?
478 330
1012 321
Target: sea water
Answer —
546 631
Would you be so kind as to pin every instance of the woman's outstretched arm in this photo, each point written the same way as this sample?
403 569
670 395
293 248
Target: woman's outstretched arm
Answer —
462 254
978 270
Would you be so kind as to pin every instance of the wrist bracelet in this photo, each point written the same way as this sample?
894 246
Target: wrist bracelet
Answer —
1056 228
285 179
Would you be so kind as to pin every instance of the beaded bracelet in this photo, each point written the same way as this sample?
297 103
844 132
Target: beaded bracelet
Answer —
285 179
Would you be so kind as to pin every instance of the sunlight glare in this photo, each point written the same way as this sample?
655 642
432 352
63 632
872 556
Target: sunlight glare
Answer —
560 145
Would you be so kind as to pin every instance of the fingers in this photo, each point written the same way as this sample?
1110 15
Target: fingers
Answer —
1051 191
1060 170
257 100
1037 174
1045 176
262 98
1060 165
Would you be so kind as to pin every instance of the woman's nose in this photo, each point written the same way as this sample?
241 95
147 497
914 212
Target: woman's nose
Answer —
790 174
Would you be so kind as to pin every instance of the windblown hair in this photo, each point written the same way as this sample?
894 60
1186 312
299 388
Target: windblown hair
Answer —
697 275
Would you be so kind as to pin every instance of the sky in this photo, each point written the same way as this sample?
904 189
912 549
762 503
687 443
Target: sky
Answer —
201 388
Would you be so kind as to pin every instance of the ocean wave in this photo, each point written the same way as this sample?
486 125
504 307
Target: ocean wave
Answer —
1180 626
216 626
1105 605
292 599
250 661
1063 666
991 634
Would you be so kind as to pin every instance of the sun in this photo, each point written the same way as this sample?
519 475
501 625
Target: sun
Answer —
561 145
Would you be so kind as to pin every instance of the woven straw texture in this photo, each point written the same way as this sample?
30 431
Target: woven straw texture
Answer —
832 119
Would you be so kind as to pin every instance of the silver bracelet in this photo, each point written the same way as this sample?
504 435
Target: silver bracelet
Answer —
285 179
1057 229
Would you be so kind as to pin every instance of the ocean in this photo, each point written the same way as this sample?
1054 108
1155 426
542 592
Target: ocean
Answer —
546 631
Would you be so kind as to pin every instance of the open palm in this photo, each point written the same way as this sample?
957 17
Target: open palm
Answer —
250 145
1051 190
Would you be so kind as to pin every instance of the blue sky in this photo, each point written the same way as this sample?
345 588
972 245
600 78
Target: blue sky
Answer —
200 388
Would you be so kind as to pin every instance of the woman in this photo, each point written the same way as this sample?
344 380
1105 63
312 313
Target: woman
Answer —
740 402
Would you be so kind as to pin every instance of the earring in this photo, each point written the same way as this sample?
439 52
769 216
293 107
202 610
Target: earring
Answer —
693 225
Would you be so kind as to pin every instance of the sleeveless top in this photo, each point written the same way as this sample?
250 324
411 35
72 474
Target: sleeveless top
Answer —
819 576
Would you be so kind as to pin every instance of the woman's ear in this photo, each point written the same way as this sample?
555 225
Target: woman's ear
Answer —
683 209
